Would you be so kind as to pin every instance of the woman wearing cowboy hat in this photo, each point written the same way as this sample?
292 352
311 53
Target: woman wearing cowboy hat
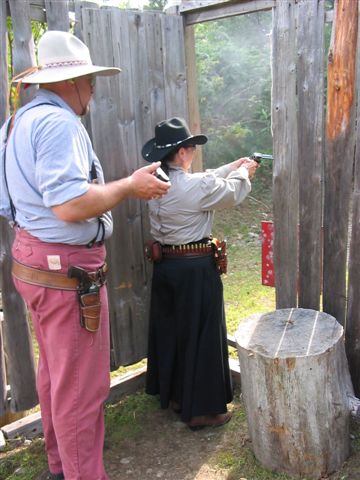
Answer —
53 190
187 354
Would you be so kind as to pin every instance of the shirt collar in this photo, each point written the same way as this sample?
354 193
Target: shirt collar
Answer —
45 96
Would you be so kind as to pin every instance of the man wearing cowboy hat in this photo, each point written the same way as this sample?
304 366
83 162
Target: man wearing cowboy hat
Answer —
187 356
54 193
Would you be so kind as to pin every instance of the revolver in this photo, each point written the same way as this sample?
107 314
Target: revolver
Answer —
86 284
259 156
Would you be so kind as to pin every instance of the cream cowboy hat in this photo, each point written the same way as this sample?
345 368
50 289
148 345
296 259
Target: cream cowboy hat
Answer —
62 56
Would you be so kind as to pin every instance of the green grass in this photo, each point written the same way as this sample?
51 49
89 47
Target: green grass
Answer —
129 416
23 463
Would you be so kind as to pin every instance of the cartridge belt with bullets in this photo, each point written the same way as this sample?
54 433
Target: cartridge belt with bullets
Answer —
188 250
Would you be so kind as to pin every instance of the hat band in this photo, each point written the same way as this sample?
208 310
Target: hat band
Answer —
170 144
68 63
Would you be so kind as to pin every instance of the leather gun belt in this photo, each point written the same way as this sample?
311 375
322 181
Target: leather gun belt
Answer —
60 281
187 250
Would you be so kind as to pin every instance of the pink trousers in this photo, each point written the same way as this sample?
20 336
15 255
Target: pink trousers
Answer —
73 371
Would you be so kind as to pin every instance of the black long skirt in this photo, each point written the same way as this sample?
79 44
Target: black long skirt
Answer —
187 352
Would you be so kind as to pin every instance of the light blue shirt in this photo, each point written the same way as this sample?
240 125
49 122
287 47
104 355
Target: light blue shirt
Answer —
48 162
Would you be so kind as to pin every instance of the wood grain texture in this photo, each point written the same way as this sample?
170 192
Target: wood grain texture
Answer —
285 151
339 155
310 88
295 385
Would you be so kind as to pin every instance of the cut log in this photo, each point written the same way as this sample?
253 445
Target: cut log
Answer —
297 390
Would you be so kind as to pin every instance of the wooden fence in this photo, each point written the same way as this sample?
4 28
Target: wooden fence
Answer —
316 167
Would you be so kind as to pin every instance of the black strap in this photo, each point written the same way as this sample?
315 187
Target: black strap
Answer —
93 177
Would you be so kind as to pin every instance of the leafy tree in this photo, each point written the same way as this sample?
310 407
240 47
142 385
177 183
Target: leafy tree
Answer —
155 5
234 82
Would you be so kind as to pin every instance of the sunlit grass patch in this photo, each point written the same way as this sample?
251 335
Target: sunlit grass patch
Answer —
24 463
129 416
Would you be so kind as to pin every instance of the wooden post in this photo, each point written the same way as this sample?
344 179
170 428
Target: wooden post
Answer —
310 85
17 338
57 14
193 99
4 113
297 390
340 154
285 146
353 308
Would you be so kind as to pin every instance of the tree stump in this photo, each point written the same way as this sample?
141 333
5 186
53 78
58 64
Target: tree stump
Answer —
297 390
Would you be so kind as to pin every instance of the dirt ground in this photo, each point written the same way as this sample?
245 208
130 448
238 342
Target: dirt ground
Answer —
166 449
144 442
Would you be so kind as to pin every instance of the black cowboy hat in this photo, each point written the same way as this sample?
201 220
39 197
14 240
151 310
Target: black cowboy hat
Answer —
169 136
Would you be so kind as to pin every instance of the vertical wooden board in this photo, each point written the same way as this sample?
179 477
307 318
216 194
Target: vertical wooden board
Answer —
78 6
3 381
149 105
57 15
310 86
339 155
174 66
147 65
23 55
285 171
17 339
4 86
192 97
352 333
4 113
106 31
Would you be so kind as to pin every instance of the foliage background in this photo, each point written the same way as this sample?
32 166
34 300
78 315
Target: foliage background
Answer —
234 86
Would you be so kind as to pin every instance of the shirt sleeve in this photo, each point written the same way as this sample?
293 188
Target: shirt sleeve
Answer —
219 193
62 159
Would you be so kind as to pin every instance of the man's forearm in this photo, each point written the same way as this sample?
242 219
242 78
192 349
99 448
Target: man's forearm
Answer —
97 200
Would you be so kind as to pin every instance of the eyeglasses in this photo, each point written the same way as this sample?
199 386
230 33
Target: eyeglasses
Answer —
92 80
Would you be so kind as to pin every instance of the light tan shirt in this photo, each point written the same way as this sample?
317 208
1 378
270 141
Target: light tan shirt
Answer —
185 214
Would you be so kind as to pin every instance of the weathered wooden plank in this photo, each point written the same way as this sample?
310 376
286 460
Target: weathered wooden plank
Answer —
285 148
340 155
310 73
147 62
4 113
220 10
17 338
174 66
106 31
3 382
57 15
4 86
352 333
192 98
77 6
28 427
23 54
126 385
18 348
147 65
